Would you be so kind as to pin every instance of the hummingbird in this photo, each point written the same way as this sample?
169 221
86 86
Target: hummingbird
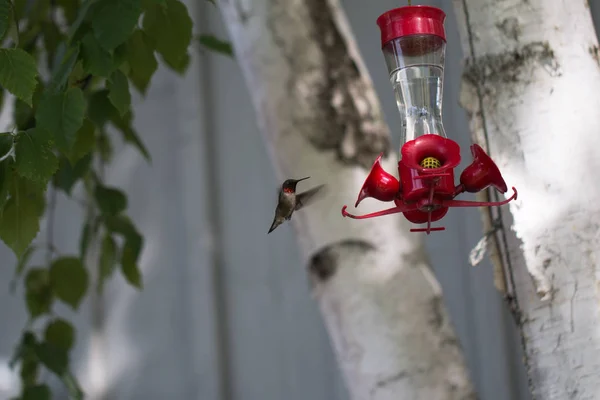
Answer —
289 201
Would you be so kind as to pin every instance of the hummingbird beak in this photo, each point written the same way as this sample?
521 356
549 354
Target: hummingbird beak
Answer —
299 180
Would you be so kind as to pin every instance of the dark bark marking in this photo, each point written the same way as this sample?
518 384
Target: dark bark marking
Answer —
546 263
450 341
595 53
513 307
437 317
511 66
369 133
350 124
510 28
395 378
324 263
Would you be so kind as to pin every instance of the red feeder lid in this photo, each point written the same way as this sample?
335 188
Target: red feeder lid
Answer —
411 20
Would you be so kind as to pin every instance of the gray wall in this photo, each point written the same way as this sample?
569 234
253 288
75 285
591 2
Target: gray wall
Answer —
224 305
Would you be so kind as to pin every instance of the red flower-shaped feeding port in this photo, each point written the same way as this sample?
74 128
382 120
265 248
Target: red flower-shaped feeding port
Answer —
426 188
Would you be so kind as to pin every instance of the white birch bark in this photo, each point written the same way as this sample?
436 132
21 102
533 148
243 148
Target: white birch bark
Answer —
320 117
532 87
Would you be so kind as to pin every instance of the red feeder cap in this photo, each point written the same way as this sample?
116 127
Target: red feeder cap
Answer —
411 20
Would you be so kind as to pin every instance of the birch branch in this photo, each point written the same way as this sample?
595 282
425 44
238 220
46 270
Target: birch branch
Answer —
530 87
318 111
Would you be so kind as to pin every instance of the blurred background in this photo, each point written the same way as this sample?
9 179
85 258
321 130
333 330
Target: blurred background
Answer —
225 305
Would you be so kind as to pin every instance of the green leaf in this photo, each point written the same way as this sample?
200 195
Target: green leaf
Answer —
37 392
65 61
5 15
85 141
18 71
120 59
70 382
114 20
215 44
54 358
108 260
13 34
129 267
124 124
132 247
30 367
52 37
20 267
69 280
38 292
27 344
88 231
60 333
27 38
6 167
111 201
38 11
35 158
171 29
81 24
19 8
6 142
70 8
105 147
119 95
148 4
183 64
140 55
122 225
96 60
22 261
102 111
62 115
79 78
6 178
23 113
67 175
20 222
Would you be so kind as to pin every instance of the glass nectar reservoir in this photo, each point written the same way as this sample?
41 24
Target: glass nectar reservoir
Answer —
413 42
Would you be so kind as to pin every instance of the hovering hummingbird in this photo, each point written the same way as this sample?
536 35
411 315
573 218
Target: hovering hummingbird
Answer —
289 201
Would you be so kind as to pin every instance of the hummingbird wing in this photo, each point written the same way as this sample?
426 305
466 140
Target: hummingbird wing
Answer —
305 198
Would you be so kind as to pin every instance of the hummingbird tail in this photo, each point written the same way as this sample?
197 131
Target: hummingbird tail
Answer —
274 225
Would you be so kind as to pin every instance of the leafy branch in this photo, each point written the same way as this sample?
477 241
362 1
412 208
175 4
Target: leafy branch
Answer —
70 66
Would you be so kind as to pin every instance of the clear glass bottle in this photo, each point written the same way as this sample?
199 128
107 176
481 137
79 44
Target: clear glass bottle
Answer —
415 62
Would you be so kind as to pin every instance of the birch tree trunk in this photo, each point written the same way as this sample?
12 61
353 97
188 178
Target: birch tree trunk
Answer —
532 89
320 117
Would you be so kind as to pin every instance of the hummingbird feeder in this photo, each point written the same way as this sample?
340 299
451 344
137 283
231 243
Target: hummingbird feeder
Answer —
413 42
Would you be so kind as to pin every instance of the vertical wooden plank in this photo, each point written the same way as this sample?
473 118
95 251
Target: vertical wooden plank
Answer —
213 225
